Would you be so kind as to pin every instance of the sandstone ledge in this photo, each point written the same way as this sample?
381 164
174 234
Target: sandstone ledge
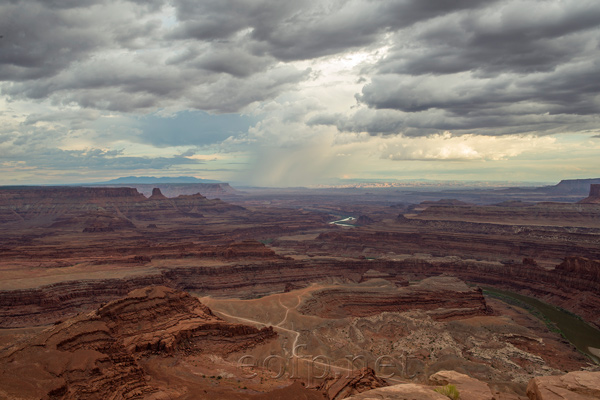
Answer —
579 385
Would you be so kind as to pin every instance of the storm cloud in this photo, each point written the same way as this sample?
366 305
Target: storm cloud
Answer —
87 78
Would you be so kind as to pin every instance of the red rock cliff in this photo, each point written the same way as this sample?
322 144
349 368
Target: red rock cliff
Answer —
20 204
92 356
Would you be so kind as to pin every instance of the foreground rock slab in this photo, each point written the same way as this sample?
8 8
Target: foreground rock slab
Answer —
579 385
408 391
469 388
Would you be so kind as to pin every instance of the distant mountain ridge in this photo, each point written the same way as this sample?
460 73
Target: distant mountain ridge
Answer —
154 179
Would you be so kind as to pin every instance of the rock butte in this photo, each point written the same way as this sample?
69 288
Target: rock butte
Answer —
594 197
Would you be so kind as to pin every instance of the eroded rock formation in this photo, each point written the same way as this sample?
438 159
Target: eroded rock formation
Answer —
594 197
364 220
94 222
405 391
93 354
157 195
210 190
579 385
350 383
581 267
444 298
469 388
163 319
49 303
571 186
45 203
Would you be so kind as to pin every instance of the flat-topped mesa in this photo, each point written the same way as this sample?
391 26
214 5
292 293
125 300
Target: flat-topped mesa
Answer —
48 203
571 186
49 193
39 202
594 197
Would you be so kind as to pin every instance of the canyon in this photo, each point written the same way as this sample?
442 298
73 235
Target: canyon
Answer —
106 281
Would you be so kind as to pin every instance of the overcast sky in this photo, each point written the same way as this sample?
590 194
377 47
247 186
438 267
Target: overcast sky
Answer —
288 93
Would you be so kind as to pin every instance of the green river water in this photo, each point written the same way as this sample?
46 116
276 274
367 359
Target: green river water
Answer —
583 336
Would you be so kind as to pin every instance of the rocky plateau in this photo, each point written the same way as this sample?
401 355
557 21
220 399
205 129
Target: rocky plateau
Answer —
100 289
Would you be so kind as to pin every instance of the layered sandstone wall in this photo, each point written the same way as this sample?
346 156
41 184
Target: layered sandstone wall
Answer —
92 355
576 289
498 243
542 213
346 385
443 298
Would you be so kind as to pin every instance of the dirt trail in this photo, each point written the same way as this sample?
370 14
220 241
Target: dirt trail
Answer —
287 309
328 367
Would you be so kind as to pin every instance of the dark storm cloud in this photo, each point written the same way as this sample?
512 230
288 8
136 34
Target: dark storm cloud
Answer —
465 65
229 95
117 56
42 39
347 25
206 20
233 61
516 67
39 41
305 29
520 37
85 53
570 89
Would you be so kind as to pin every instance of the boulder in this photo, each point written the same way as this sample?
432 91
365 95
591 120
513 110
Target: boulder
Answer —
406 391
579 385
469 388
